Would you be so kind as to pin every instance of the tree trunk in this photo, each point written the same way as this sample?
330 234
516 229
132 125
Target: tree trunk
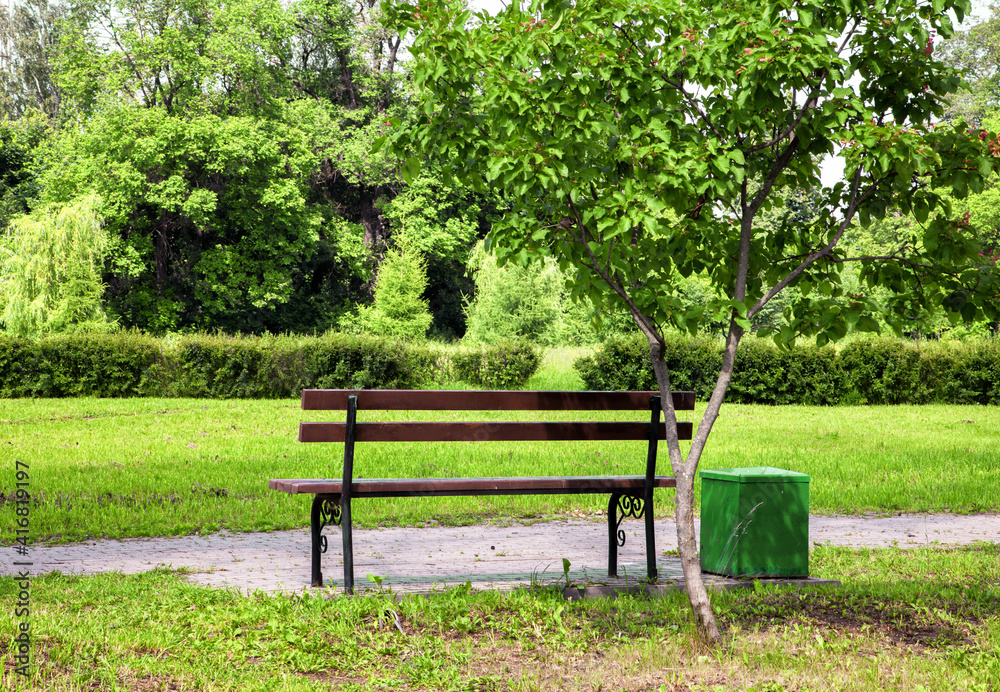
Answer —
376 234
685 471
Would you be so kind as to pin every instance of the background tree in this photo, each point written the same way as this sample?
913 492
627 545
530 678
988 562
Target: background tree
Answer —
975 51
529 302
186 129
20 142
344 57
50 271
29 39
399 310
209 213
230 144
443 223
596 118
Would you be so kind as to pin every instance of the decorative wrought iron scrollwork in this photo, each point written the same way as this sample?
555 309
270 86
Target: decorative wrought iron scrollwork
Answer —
627 506
329 513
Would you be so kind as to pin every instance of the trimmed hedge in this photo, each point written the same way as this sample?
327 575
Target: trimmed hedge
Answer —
503 365
108 365
871 371
123 365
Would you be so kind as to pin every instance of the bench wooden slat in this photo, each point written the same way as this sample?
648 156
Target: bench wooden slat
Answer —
505 431
529 485
460 400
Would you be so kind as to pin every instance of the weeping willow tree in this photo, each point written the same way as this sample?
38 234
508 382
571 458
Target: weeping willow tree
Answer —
50 270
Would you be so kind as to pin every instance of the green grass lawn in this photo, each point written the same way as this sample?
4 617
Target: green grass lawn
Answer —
144 467
904 620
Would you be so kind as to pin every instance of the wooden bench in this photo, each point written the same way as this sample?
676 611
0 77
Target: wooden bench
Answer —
630 496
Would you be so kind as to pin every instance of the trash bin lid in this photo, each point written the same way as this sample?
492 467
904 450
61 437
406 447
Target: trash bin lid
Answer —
755 474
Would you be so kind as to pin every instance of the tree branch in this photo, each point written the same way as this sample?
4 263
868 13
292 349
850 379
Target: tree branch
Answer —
809 105
648 330
694 104
826 250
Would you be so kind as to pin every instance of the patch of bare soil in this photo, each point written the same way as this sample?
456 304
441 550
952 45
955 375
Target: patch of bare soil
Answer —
930 625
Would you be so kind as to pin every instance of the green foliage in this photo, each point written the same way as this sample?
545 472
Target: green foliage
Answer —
512 301
976 52
802 375
87 364
232 156
181 55
127 364
50 270
864 371
504 364
442 222
208 213
622 363
276 367
399 311
886 371
19 144
29 37
230 144
523 302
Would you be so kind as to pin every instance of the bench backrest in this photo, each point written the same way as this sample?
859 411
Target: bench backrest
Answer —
464 400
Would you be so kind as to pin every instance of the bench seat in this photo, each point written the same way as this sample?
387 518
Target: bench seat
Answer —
431 487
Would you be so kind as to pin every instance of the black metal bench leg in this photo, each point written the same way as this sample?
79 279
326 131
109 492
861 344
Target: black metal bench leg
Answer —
650 538
345 513
613 535
620 506
317 539
325 511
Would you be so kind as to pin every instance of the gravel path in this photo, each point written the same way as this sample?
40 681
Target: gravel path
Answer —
421 559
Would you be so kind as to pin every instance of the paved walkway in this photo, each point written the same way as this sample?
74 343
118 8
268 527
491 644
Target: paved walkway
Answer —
488 556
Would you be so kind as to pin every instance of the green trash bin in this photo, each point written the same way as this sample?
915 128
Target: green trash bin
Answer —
755 522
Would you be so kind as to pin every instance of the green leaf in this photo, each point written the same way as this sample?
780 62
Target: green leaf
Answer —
411 169
866 324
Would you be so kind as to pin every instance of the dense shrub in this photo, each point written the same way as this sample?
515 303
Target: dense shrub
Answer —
340 361
870 371
84 364
622 363
765 374
506 364
122 365
884 371
893 371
